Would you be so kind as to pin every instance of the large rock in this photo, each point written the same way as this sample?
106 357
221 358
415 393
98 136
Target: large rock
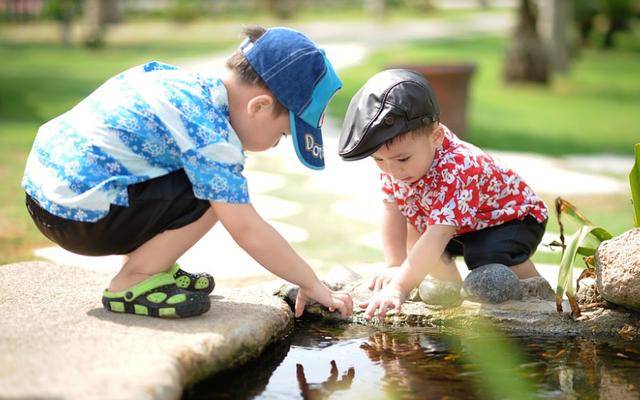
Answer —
57 341
618 269
492 283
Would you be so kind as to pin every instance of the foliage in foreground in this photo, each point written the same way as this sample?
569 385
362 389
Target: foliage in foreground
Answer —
586 239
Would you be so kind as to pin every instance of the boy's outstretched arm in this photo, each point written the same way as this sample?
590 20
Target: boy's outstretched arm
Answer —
427 249
272 251
394 244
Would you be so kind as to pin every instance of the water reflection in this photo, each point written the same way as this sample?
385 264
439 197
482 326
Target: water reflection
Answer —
418 365
320 361
313 391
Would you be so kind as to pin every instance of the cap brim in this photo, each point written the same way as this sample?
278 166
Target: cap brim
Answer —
307 140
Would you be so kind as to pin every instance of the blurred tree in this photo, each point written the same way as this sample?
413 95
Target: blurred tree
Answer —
555 28
282 9
186 10
377 8
584 14
618 13
526 58
63 11
97 13
419 5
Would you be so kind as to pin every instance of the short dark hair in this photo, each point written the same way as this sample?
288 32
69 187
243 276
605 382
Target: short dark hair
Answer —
423 130
239 64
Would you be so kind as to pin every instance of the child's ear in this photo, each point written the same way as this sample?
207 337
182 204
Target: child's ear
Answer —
437 136
259 104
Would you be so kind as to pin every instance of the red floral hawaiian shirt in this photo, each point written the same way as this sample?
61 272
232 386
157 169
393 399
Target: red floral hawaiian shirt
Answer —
466 188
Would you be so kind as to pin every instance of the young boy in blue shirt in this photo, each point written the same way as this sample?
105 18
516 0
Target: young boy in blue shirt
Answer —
150 161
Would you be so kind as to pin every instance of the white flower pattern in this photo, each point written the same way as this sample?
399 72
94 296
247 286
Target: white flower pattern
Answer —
466 188
82 151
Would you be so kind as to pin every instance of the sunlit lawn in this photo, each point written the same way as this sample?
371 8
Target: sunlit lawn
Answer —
592 109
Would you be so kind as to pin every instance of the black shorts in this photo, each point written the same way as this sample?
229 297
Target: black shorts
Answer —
156 205
510 244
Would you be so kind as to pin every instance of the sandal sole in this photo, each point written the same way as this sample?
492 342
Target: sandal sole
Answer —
189 309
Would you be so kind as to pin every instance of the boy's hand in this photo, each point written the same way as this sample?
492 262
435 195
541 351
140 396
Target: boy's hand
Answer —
390 297
323 295
382 279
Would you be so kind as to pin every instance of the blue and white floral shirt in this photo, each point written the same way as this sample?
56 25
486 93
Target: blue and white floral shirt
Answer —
143 123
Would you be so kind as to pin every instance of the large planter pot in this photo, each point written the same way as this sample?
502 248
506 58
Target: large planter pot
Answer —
451 84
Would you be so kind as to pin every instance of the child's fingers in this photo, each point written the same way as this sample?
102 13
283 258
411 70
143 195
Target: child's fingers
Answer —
371 309
349 303
299 307
397 304
345 308
372 282
383 310
379 284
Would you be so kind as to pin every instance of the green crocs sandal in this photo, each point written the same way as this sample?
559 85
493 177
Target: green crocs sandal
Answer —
157 296
200 282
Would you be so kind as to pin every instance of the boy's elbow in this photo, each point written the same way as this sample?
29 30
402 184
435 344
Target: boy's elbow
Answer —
240 221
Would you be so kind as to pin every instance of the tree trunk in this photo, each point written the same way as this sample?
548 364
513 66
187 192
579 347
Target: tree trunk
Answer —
377 8
553 25
65 32
282 9
93 23
526 58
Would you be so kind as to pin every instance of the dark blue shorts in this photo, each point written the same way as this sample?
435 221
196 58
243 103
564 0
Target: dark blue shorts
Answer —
510 244
156 205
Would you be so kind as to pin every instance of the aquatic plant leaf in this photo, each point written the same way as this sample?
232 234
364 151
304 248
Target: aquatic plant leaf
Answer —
565 275
564 208
496 358
634 181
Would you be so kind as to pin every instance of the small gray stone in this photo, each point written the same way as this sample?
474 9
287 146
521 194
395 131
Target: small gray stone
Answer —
537 288
492 283
440 293
587 293
414 295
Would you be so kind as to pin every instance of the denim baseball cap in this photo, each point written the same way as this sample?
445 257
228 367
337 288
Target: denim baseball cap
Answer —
301 77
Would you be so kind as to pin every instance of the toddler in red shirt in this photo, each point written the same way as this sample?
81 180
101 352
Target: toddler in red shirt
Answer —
443 197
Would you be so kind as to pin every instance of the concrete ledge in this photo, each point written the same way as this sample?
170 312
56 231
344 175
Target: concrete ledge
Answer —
57 341
532 316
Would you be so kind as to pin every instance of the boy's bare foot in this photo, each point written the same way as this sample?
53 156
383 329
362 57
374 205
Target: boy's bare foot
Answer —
125 279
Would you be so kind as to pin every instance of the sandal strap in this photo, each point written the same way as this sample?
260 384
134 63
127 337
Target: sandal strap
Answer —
153 282
174 268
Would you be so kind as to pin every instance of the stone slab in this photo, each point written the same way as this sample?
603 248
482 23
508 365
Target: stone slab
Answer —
57 341
530 316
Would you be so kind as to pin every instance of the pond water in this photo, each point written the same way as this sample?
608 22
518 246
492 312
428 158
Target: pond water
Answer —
320 360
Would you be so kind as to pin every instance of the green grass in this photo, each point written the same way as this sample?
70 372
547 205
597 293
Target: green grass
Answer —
592 109
346 12
612 212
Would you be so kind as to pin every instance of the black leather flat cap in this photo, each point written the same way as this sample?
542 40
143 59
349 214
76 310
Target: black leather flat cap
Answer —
392 102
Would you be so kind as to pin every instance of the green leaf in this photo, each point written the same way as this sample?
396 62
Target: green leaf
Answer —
634 181
576 244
